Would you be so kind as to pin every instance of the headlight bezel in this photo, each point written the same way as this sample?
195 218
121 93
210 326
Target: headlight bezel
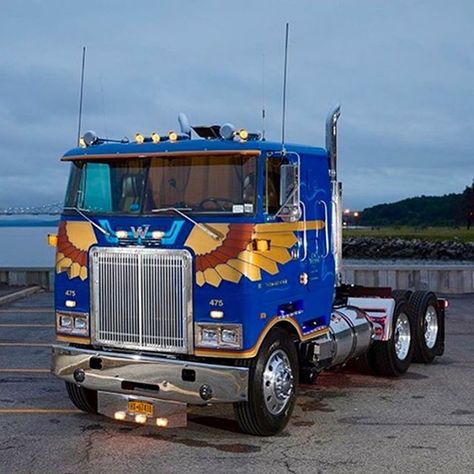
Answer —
201 342
72 329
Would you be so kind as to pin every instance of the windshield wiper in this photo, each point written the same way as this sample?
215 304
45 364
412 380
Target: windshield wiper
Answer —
179 210
87 218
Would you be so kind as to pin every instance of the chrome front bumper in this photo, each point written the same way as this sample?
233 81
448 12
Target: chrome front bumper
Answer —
165 379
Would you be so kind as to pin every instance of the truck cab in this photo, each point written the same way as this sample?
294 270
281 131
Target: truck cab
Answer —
204 267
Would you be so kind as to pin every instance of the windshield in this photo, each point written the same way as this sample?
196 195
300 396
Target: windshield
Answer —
200 184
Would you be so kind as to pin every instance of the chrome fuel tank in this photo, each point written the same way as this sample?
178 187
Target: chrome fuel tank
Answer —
352 334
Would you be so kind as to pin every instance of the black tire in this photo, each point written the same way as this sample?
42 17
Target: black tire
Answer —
83 398
363 364
254 416
308 375
399 294
385 359
424 304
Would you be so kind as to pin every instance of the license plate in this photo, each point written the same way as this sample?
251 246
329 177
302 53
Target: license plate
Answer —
140 408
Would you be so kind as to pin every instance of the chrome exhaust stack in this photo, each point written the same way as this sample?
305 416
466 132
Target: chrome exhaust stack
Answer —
336 191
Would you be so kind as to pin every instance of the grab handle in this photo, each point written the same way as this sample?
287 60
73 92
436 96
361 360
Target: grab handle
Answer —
326 228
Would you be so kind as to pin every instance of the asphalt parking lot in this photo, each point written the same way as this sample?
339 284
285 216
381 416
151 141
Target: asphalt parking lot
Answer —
347 422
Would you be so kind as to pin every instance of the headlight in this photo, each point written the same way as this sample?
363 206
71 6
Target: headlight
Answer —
72 324
66 321
80 322
230 336
218 336
209 336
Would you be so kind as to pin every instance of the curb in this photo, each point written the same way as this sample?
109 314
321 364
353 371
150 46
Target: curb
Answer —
16 295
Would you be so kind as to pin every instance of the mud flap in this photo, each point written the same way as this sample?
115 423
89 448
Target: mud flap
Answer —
440 346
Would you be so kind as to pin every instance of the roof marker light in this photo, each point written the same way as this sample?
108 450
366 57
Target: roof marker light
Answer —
82 142
173 136
155 138
139 138
243 134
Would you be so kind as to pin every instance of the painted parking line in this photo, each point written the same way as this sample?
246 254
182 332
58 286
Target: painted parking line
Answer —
26 325
25 344
26 411
25 371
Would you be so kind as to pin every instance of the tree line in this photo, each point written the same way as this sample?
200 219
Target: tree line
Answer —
448 210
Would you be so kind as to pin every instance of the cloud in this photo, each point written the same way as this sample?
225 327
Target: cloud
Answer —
402 71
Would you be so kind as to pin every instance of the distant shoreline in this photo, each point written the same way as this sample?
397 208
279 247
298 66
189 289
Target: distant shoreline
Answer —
28 223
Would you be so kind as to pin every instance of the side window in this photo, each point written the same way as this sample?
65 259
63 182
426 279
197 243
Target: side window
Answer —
74 191
272 184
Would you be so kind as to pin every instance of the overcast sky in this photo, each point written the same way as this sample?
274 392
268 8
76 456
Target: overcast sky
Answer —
403 71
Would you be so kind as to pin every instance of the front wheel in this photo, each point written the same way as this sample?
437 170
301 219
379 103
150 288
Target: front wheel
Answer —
273 379
83 398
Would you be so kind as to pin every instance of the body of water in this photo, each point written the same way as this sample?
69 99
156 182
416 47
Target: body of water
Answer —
26 247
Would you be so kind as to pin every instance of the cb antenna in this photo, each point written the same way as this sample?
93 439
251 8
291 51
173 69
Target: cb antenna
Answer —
81 96
283 117
263 97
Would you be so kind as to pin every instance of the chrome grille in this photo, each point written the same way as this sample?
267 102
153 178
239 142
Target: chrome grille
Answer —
141 298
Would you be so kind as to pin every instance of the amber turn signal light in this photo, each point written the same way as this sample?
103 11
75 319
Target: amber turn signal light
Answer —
53 240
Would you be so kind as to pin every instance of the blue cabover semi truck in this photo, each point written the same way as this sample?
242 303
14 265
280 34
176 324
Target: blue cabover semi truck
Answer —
204 267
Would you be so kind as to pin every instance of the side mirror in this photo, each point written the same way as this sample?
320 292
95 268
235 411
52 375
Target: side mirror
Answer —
289 193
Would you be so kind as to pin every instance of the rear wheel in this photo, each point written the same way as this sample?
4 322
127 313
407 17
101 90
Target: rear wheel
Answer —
393 357
399 294
83 398
273 379
364 364
425 311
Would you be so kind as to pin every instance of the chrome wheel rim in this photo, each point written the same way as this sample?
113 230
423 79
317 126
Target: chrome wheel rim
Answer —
402 336
430 325
277 382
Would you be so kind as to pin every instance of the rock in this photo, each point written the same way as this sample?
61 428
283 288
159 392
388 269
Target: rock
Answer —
396 248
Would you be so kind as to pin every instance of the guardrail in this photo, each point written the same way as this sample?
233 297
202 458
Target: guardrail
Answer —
442 278
27 276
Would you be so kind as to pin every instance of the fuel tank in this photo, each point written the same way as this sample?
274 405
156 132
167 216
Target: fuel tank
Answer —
352 334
